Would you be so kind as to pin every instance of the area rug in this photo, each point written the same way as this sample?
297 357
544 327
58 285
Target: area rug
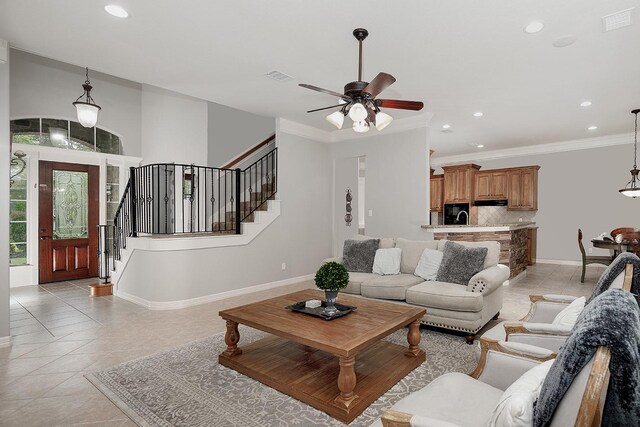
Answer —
185 386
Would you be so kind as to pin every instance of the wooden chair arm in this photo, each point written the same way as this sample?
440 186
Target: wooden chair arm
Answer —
392 418
487 344
514 328
628 277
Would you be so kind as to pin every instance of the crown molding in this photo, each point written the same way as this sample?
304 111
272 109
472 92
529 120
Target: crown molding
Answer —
306 131
529 150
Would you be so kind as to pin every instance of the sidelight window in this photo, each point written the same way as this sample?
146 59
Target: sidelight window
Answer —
18 219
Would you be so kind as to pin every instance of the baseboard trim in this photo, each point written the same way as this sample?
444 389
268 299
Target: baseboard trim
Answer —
5 341
558 261
516 279
174 305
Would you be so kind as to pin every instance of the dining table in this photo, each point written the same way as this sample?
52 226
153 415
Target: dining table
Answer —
610 244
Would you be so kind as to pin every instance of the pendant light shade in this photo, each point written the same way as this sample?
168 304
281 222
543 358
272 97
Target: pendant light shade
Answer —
87 109
383 120
336 119
632 189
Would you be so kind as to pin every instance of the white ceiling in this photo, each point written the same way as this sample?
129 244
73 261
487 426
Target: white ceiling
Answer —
457 56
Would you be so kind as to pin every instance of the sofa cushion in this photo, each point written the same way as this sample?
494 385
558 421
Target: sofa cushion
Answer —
385 242
448 296
389 287
493 250
355 281
411 253
454 397
429 264
358 255
460 263
387 261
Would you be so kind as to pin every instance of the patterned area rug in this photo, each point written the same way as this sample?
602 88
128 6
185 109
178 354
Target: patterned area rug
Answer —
186 386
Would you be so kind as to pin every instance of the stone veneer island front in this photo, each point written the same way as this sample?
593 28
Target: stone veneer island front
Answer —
517 241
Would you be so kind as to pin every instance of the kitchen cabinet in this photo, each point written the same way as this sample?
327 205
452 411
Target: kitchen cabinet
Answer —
523 188
459 183
436 192
491 185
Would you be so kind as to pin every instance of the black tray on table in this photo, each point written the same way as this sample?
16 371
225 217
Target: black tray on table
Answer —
300 308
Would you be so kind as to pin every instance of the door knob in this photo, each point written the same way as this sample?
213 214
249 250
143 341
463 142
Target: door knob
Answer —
45 237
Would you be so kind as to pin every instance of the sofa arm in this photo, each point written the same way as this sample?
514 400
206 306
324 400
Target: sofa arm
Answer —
337 259
489 279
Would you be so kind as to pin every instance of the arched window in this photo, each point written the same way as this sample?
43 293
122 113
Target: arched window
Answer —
65 134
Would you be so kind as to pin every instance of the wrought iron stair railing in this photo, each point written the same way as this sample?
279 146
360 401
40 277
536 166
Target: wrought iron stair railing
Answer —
180 199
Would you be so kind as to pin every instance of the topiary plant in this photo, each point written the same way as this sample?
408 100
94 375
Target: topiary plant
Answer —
332 276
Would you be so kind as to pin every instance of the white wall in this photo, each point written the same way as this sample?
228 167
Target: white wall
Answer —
5 159
578 189
42 87
174 127
397 190
231 132
300 237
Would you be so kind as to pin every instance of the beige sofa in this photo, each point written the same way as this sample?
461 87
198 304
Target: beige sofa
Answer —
448 305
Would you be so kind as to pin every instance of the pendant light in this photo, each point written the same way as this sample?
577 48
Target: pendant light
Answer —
87 110
632 188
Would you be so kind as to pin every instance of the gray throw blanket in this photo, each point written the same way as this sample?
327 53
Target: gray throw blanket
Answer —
613 320
613 270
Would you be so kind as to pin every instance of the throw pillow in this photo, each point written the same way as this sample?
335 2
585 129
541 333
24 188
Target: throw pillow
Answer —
569 315
387 261
515 407
460 264
357 255
429 264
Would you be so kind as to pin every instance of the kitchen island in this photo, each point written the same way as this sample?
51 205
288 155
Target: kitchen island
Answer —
517 240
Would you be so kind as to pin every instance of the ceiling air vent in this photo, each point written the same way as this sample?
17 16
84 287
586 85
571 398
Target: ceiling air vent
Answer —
617 20
278 76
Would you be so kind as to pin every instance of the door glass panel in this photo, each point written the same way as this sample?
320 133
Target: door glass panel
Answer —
70 204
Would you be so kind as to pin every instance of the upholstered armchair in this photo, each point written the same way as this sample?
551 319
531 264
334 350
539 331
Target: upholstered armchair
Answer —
537 327
457 399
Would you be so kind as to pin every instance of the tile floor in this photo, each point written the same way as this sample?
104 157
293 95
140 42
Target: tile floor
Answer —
60 332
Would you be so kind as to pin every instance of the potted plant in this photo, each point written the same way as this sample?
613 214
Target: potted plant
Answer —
331 277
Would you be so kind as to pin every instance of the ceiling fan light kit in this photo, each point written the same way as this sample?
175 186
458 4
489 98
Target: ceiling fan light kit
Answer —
359 99
632 189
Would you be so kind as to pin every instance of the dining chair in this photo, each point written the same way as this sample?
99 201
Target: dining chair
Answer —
631 239
619 230
590 259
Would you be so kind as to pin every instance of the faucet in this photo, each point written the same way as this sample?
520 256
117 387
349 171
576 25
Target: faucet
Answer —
466 214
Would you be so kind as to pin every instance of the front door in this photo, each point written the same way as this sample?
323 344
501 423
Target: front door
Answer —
68 218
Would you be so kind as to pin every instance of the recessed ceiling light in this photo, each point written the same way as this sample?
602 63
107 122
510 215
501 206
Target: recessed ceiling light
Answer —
565 41
592 128
585 104
478 114
480 145
446 126
533 27
116 11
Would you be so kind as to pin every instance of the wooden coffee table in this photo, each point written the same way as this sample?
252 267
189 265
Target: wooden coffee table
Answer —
339 366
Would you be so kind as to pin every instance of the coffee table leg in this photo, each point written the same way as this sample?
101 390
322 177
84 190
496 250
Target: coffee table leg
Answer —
413 337
231 338
346 381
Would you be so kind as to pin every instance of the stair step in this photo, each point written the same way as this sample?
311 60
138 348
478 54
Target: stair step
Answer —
244 206
231 217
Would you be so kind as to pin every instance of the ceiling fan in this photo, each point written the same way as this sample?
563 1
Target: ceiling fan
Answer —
359 99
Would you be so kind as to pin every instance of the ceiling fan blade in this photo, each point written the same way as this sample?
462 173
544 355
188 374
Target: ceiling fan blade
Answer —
399 104
379 83
327 91
325 108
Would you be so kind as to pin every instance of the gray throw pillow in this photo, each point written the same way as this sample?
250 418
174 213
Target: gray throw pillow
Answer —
460 263
358 255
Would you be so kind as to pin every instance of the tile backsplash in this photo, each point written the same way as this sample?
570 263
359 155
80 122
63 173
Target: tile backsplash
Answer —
500 215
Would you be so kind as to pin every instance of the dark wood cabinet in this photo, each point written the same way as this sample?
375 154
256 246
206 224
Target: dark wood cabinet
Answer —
490 185
459 183
436 193
523 188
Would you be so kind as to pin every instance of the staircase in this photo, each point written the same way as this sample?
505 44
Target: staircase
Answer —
165 204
